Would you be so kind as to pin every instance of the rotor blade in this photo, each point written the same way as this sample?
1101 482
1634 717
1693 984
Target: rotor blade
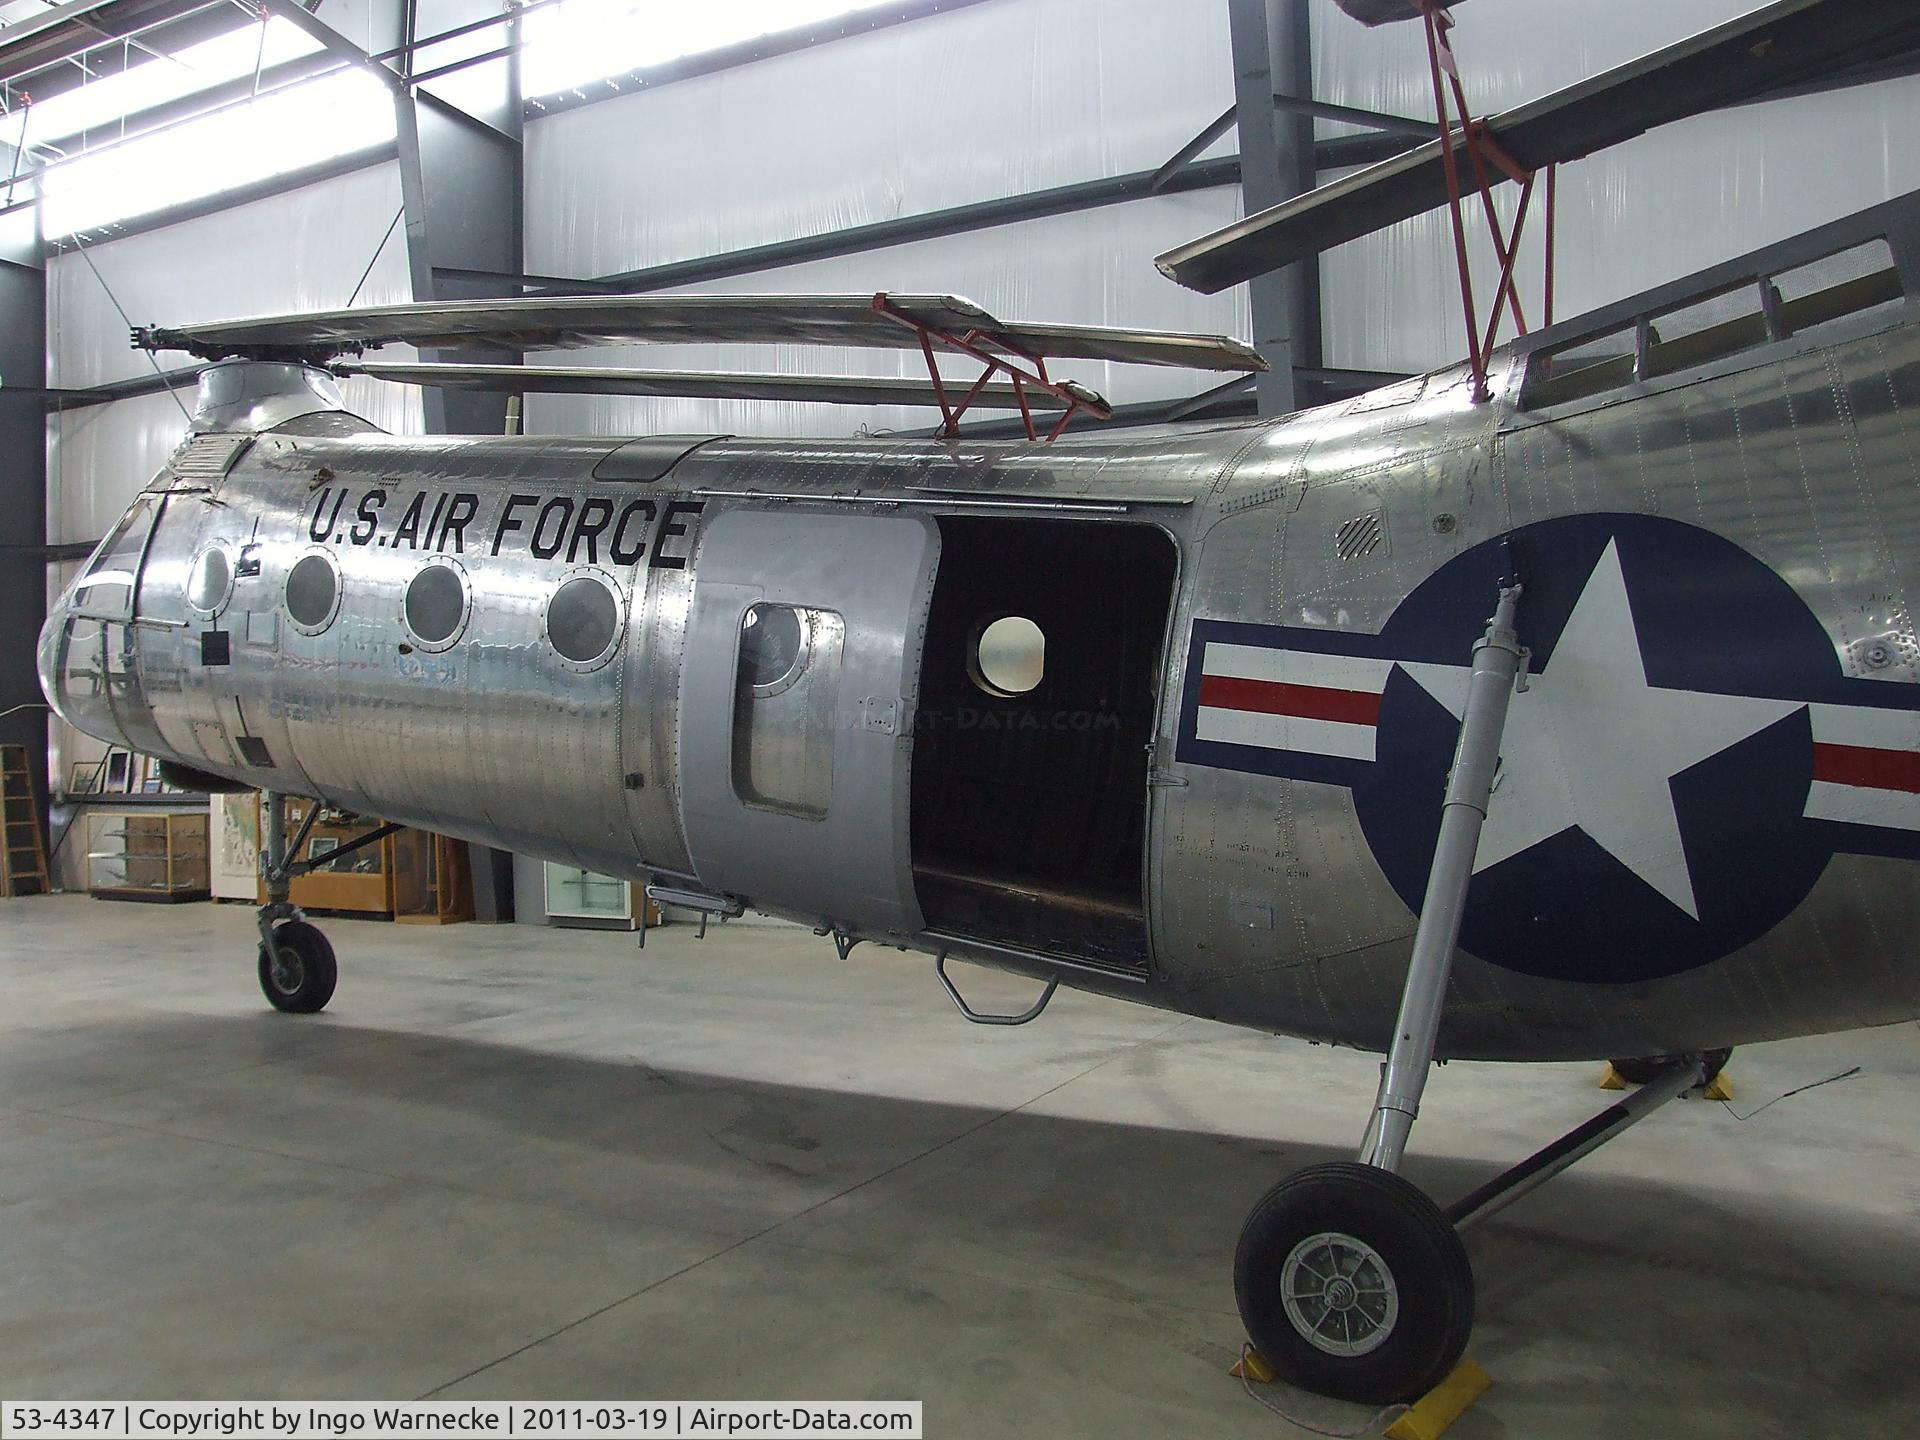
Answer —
561 323
1786 43
706 385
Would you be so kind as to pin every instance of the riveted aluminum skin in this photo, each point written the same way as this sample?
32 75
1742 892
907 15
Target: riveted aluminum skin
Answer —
1266 904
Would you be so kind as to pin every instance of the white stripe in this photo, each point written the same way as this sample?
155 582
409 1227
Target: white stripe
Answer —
1866 726
1285 732
1297 667
1859 805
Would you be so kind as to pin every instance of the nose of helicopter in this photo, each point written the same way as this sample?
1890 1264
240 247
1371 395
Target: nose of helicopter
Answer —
75 670
86 657
47 661
51 660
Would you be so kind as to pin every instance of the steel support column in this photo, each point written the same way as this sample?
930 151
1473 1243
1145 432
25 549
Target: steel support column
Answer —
460 165
462 184
1272 55
23 519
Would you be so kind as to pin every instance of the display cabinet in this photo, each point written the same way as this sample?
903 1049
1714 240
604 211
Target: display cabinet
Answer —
433 884
147 855
408 875
584 900
360 883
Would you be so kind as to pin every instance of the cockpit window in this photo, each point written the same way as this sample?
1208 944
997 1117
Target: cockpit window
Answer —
106 588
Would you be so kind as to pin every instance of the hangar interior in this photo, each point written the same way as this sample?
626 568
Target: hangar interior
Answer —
547 1162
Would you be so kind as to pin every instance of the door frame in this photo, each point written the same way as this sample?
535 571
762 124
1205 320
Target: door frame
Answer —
850 868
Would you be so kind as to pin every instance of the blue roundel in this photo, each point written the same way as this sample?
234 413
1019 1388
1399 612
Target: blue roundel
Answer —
1650 814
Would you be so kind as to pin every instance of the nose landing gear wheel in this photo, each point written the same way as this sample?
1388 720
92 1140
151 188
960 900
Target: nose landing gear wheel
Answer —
300 979
1352 1284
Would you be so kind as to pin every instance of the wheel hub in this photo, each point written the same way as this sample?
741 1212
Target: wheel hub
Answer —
1339 1294
287 970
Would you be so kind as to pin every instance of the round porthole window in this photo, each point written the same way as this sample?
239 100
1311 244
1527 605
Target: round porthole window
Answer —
773 648
583 620
313 592
1009 656
210 581
436 605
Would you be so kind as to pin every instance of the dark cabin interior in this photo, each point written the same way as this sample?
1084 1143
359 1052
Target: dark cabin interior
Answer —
1029 809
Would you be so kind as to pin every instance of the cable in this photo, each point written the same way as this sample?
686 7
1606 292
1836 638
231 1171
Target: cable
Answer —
1379 1421
376 254
81 245
1843 1075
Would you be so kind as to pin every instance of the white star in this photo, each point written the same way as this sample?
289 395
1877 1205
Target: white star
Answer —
1591 744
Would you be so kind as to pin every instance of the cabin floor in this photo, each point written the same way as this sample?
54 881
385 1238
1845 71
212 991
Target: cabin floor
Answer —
514 1163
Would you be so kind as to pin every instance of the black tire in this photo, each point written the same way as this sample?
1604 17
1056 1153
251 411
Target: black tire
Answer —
1416 1338
1640 1071
305 984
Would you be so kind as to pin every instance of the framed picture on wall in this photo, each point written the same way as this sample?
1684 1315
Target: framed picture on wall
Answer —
149 775
119 771
84 777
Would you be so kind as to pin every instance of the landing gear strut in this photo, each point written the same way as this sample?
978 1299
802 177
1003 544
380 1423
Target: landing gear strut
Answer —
297 969
1351 1281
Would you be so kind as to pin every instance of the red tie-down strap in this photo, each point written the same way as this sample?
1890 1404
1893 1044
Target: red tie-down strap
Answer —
1026 371
1486 154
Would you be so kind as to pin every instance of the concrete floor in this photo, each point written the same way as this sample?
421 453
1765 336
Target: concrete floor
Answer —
514 1163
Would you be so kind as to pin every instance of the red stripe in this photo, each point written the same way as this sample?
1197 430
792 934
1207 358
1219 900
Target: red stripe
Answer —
1871 769
1270 697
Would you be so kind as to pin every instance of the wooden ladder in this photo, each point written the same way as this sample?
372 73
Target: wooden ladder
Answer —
23 851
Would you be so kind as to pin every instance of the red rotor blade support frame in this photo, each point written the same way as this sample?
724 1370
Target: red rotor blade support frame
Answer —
1027 372
1485 154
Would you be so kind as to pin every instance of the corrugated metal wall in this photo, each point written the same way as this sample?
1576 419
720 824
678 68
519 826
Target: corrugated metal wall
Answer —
300 251
995 100
1008 97
1673 201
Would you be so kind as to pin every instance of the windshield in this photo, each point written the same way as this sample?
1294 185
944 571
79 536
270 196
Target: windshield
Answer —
106 587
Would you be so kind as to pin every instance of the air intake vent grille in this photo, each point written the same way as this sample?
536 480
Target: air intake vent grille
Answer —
1359 537
208 457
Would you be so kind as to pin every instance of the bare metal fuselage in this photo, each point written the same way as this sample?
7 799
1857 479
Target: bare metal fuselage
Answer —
878 804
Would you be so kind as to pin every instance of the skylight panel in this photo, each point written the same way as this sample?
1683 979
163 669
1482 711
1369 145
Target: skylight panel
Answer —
276 134
580 41
101 103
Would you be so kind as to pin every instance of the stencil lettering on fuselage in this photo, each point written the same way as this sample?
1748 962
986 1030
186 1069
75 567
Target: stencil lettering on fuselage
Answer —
1686 759
568 529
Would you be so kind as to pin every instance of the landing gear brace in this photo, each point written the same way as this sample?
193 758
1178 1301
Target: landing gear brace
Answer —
1350 1280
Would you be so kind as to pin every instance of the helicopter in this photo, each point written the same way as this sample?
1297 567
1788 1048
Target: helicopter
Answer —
1562 704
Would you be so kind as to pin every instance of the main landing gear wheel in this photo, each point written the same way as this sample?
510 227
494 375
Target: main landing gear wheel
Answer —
1352 1284
300 978
1640 1071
